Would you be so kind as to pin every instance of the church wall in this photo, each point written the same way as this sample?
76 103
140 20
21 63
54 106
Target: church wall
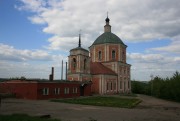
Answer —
124 78
111 65
102 49
86 78
104 84
79 77
71 68
123 54
87 90
73 78
110 84
79 52
95 84
79 65
115 48
106 49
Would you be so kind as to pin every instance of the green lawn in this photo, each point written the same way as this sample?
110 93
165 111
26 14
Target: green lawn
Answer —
23 117
103 101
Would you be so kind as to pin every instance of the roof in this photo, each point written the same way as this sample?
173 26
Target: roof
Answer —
108 37
79 48
46 81
99 68
19 81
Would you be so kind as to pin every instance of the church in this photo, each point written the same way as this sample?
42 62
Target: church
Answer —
104 64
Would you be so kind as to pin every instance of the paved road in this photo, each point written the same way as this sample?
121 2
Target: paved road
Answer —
151 109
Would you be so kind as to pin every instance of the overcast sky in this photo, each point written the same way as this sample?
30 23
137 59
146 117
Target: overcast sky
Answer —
37 34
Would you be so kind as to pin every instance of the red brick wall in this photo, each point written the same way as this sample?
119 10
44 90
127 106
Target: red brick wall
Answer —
62 86
87 90
115 48
86 78
95 85
21 90
123 49
28 90
97 49
71 68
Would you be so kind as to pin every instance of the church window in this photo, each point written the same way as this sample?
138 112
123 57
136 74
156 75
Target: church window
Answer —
45 91
75 89
107 86
100 55
113 54
114 85
56 91
111 86
74 63
85 63
66 90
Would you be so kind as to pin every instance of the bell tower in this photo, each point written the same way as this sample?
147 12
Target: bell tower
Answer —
79 64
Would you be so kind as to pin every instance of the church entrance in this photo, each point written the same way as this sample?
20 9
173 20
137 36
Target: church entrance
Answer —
81 90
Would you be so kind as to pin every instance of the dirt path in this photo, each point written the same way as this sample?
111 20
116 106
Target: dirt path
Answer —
151 109
151 102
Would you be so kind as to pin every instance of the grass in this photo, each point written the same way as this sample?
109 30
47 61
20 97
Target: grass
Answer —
103 101
129 95
23 117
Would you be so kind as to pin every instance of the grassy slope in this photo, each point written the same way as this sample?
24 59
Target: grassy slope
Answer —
103 101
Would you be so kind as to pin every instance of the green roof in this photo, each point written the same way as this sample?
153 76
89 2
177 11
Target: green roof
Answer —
108 37
79 48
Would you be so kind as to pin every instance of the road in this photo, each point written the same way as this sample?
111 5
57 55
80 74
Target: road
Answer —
151 109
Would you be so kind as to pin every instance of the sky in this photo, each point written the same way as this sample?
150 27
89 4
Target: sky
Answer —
36 35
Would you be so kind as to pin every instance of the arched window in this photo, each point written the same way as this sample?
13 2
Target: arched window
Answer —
113 54
107 88
111 86
74 63
99 55
85 63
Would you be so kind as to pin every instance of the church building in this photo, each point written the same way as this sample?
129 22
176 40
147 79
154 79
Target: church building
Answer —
104 64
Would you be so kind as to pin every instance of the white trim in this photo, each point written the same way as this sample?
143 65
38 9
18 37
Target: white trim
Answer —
108 53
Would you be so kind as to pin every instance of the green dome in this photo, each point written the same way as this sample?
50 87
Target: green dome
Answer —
108 37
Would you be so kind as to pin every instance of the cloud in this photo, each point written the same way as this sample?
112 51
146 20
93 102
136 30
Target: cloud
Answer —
133 21
9 53
62 43
32 5
174 47
29 63
29 70
143 65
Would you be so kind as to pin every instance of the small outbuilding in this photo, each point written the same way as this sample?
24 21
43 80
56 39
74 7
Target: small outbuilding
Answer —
33 89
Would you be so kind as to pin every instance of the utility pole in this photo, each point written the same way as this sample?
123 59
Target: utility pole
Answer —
62 71
66 71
